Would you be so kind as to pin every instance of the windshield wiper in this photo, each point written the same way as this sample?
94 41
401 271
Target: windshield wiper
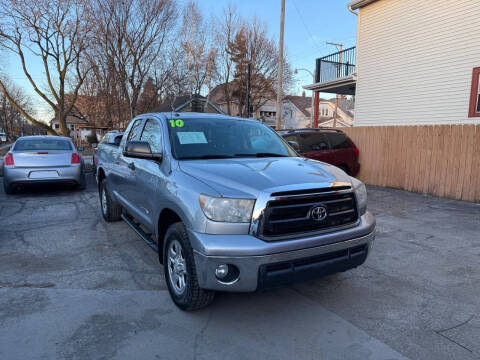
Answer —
206 157
261 154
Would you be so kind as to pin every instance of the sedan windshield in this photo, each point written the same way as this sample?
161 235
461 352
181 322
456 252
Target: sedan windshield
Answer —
42 144
207 138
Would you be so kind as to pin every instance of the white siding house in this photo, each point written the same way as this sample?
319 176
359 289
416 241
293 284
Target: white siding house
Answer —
416 82
415 61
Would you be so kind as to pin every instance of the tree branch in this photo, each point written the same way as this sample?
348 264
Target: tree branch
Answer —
19 108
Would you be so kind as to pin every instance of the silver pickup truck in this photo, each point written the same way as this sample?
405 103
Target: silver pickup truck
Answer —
230 206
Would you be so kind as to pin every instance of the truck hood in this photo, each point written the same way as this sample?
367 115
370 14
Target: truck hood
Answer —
247 177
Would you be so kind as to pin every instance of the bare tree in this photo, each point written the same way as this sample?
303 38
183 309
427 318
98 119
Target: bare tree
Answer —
11 121
252 46
226 33
133 34
197 43
56 32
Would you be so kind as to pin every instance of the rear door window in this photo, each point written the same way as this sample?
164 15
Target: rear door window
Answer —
313 142
338 141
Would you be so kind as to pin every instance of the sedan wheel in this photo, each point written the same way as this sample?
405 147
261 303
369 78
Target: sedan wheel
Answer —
103 201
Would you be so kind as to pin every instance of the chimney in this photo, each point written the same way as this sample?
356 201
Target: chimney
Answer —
196 103
303 93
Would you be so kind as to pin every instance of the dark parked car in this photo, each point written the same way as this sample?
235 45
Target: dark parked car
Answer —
328 145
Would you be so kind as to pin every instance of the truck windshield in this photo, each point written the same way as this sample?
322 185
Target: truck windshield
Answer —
207 138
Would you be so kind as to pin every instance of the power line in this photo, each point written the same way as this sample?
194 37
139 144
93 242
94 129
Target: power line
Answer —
305 24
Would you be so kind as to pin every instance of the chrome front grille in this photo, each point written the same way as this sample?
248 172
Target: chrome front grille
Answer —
290 214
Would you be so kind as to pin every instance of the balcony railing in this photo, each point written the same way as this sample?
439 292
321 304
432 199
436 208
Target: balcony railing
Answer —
335 66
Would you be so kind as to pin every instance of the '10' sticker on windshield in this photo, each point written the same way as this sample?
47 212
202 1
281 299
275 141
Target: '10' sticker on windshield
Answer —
176 123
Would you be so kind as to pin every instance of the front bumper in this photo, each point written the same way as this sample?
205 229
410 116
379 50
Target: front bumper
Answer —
268 264
65 174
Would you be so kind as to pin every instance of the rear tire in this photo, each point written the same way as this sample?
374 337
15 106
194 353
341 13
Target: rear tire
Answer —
83 183
111 211
8 188
190 296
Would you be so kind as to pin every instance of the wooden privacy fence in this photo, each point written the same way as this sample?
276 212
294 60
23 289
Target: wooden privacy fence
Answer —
441 160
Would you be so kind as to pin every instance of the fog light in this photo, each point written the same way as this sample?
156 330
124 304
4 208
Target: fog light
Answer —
221 271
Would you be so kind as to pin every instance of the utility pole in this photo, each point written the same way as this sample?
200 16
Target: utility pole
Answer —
313 94
280 69
339 47
248 89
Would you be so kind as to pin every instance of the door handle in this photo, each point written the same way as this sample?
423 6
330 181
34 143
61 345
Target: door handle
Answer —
131 165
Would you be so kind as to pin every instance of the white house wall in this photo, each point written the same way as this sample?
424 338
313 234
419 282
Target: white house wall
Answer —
292 117
415 61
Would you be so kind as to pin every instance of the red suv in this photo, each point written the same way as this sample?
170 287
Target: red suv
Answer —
325 144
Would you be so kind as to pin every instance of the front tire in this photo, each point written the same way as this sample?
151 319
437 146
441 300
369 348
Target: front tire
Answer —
344 168
111 210
180 272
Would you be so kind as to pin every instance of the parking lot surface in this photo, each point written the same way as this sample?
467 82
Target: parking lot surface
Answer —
75 287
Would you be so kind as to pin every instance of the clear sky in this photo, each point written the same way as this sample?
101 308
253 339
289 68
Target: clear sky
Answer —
308 25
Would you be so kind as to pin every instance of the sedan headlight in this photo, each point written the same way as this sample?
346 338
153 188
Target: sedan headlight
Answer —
361 194
227 209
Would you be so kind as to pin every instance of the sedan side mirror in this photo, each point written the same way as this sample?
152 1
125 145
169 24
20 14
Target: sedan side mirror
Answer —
141 150
294 145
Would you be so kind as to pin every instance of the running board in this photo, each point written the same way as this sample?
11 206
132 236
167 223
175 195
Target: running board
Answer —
140 233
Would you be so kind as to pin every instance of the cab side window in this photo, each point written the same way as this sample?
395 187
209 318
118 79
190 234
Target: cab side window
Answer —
152 133
134 133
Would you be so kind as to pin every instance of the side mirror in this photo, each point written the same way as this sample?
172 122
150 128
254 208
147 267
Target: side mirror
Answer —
80 148
141 150
294 145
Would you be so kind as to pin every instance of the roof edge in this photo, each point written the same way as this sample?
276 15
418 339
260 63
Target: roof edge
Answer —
357 4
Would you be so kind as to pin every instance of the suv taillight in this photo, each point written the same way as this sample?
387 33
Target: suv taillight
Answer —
356 151
75 158
9 160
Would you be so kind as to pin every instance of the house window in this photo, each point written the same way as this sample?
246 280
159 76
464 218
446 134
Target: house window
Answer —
326 112
474 108
267 113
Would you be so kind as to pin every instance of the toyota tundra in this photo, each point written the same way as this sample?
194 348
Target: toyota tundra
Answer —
229 205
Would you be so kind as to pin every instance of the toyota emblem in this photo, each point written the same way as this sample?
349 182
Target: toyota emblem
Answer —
318 213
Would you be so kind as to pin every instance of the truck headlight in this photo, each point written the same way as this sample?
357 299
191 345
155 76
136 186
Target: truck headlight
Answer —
227 209
361 194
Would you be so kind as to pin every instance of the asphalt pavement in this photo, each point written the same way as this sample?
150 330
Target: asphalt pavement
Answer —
75 287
